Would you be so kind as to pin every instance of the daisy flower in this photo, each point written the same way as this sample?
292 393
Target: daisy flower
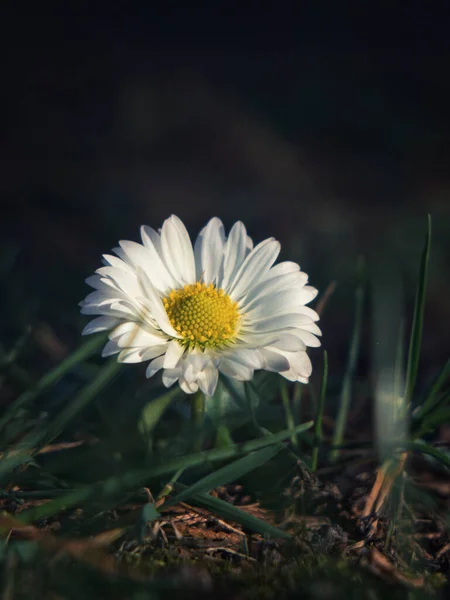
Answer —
220 306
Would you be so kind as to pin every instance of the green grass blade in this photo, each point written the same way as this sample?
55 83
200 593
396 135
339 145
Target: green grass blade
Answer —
228 473
346 393
113 486
153 411
319 418
11 461
297 401
417 326
433 420
290 422
53 376
424 448
433 400
399 373
233 513
87 395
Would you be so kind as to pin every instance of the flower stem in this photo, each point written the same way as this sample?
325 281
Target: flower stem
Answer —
197 417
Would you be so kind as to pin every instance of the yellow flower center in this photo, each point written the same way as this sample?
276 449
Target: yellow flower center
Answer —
202 314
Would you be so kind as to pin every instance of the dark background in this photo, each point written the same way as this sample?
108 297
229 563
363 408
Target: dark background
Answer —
326 126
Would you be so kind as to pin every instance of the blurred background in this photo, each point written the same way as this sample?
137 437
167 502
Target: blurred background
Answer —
324 127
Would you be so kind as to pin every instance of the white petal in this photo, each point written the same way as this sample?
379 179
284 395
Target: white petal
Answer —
155 366
277 323
173 355
308 293
301 364
126 281
312 328
208 380
247 339
157 308
236 370
153 352
152 242
100 298
194 363
291 375
248 357
151 239
255 266
130 355
235 253
117 309
308 338
309 312
121 329
209 247
100 324
275 304
274 361
148 260
113 261
289 342
101 283
170 376
283 268
139 338
188 388
296 280
110 348
177 250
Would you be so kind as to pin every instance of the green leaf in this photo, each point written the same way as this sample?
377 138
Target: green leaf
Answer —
81 400
346 392
132 479
223 403
26 550
417 327
429 450
432 421
53 376
230 472
153 411
149 513
290 421
433 400
11 461
233 513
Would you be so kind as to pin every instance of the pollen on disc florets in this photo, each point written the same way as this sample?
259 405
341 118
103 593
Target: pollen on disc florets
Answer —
203 315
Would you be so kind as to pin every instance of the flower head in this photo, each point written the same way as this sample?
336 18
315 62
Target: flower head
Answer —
222 306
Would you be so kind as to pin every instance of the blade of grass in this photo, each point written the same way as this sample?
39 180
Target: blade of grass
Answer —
53 376
432 400
297 401
417 326
346 393
287 410
113 486
433 420
318 434
430 451
37 439
399 362
228 473
11 461
153 411
233 513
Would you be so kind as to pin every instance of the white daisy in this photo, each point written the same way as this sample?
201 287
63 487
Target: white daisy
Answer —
221 306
